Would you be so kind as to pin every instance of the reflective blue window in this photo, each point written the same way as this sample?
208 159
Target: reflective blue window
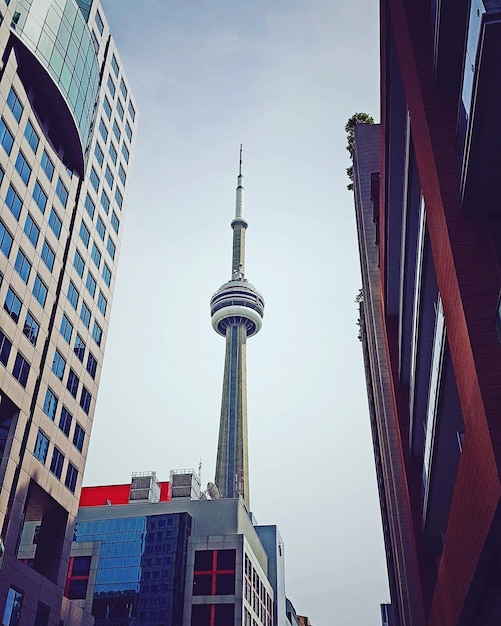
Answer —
41 447
22 266
110 246
5 240
5 346
58 364
15 104
85 399
91 365
78 437
85 315
6 138
79 347
111 86
72 383
47 165
71 477
132 111
89 206
31 136
40 290
62 192
118 197
109 177
97 333
106 274
12 305
115 222
23 168
31 328
94 178
114 65
66 329
73 295
128 131
55 223
84 234
116 131
50 403
105 202
103 130
99 154
31 230
107 107
78 263
125 152
39 196
102 303
99 23
121 173
48 255
90 283
95 255
56 465
100 227
65 421
120 109
13 201
113 152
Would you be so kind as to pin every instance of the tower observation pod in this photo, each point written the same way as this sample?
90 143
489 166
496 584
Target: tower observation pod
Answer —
237 310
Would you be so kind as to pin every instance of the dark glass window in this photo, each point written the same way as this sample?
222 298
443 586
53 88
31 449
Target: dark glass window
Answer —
106 274
105 201
13 201
41 447
12 612
85 315
22 266
65 421
79 347
5 346
107 107
21 369
84 234
66 328
108 177
95 255
15 104
47 165
113 152
12 305
39 196
50 404
125 152
40 290
89 206
116 131
62 192
99 154
31 136
48 255
85 399
55 223
58 364
73 295
95 41
128 131
114 65
78 263
118 197
111 86
6 138
123 88
23 168
100 227
42 615
94 179
121 174
99 23
91 365
5 240
120 109
103 130
56 465
110 246
71 477
90 283
31 328
102 303
132 111
72 383
78 437
97 333
31 230
115 222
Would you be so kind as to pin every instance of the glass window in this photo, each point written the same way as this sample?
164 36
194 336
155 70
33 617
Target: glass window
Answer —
55 223
15 104
95 41
71 477
39 196
123 88
65 421
42 615
118 197
50 404
31 230
41 447
31 136
48 255
105 201
99 23
12 612
97 333
84 234
128 131
5 346
6 138
114 65
78 263
85 315
12 305
94 178
91 365
56 465
120 109
66 329
90 283
58 364
62 192
102 303
79 347
107 107
113 152
121 174
111 86
72 383
103 130
78 437
96 255
40 290
31 328
116 130
115 222
125 152
21 370
99 154
13 201
5 240
109 177
47 165
106 274
22 266
73 295
132 111
89 206
85 399
22 167
100 227
110 246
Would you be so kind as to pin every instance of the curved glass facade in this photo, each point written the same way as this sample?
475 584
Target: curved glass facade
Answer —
57 34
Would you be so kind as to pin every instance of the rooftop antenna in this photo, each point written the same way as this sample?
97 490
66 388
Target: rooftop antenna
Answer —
240 166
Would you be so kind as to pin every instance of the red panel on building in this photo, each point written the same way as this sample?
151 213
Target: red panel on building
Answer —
116 494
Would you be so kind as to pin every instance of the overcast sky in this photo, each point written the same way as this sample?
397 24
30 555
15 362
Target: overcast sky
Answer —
281 77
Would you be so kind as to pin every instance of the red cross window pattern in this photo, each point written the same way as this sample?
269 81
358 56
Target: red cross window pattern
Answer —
214 572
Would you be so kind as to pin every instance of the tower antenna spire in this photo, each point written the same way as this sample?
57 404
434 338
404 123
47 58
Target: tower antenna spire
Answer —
240 165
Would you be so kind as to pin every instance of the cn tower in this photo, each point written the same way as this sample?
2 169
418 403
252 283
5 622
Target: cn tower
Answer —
237 310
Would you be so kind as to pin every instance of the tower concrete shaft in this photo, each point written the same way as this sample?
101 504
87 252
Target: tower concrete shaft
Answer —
237 310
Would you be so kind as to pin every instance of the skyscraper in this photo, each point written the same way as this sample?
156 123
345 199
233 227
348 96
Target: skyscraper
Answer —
428 201
67 128
237 310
